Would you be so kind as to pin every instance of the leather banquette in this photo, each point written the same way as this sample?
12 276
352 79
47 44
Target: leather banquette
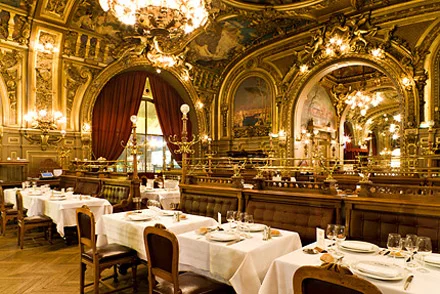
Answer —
372 219
302 214
117 193
208 202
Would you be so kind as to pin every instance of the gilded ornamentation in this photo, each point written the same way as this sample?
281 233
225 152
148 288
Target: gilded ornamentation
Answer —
9 70
22 30
76 76
56 6
44 72
4 23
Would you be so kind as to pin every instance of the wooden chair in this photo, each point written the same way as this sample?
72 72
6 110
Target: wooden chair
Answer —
6 210
330 279
26 223
163 259
102 257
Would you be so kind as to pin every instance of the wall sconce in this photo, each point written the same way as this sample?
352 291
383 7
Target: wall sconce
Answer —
46 123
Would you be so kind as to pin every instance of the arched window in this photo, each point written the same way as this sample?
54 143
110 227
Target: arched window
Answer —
153 153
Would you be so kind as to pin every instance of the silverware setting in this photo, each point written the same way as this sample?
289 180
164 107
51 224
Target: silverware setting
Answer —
235 241
408 281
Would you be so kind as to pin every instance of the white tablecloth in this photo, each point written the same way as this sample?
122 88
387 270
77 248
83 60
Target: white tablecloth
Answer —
165 197
243 265
62 212
279 278
117 228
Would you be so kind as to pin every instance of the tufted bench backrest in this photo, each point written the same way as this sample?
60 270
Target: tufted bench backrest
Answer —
117 193
374 224
303 218
87 186
207 205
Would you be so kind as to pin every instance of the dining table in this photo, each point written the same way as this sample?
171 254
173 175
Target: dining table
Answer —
127 228
60 206
389 274
242 262
167 197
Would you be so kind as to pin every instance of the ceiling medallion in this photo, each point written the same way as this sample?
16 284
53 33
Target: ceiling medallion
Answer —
172 18
161 21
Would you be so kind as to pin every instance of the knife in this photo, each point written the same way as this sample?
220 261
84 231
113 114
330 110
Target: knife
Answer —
234 242
407 282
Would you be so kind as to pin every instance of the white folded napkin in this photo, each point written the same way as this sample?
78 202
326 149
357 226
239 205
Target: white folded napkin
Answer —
357 245
433 258
377 270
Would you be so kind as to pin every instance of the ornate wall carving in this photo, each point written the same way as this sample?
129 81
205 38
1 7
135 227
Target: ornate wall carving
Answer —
10 70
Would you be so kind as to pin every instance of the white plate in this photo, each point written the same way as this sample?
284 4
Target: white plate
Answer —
168 212
139 217
433 259
382 266
222 236
359 246
57 198
256 227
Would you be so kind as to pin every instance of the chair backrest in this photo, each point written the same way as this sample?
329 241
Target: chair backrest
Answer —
86 228
19 203
317 280
163 254
2 199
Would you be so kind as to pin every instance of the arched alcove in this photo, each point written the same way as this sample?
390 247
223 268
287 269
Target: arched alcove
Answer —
303 83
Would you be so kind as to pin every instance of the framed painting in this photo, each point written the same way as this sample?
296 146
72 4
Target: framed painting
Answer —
252 107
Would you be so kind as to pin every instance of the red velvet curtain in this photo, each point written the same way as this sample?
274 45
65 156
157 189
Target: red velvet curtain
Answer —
119 99
168 102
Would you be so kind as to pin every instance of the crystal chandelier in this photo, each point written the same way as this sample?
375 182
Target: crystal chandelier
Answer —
171 18
363 100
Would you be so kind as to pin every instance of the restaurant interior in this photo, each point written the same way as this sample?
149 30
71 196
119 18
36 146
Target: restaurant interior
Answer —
219 146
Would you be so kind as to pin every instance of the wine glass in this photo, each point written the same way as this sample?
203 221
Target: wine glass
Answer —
230 217
394 244
248 220
331 233
424 248
340 235
410 244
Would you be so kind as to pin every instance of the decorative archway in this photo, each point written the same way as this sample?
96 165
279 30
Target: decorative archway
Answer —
303 82
84 108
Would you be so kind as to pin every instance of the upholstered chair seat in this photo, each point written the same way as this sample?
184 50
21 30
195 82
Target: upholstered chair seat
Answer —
98 258
26 223
162 249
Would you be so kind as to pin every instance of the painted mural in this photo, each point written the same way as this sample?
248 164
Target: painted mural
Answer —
252 103
318 106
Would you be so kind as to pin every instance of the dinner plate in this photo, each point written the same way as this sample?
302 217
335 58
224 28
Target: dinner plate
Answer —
167 212
222 236
57 198
256 227
359 246
139 217
433 259
378 270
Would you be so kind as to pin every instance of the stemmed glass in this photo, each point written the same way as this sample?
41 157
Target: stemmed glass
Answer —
230 217
410 244
330 232
424 248
340 235
249 220
394 244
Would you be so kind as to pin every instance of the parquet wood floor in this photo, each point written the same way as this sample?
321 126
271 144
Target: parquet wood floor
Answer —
41 268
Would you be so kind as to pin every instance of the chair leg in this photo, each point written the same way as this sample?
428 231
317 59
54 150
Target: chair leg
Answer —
81 277
134 273
115 273
96 274
22 237
18 234
4 223
49 231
